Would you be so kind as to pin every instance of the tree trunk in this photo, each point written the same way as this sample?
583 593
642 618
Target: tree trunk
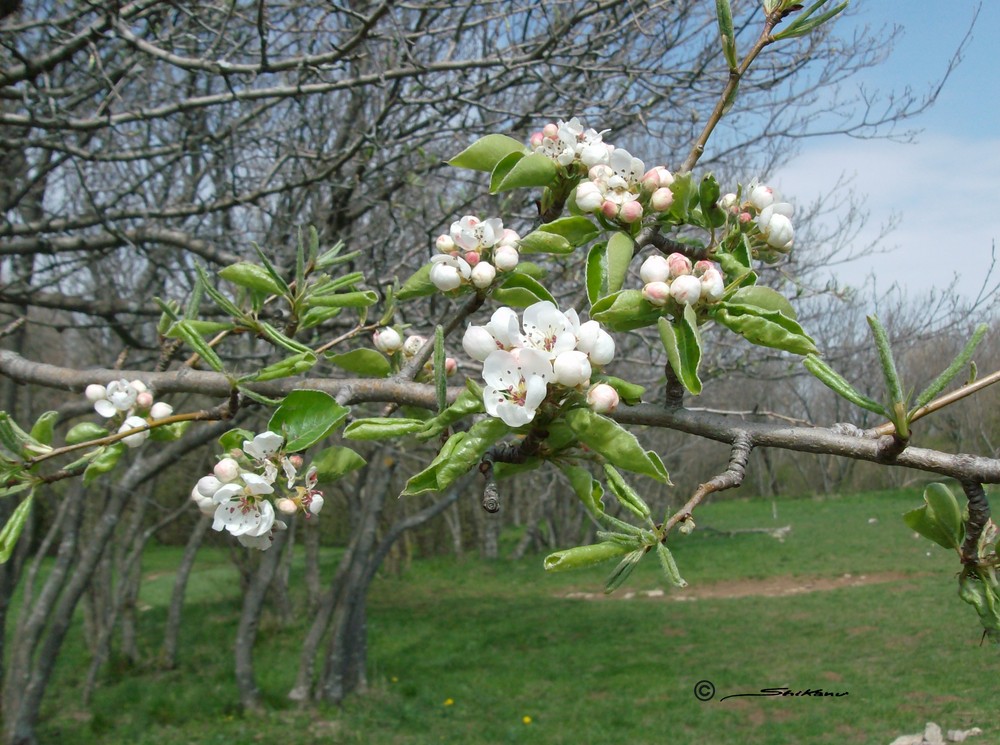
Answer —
168 656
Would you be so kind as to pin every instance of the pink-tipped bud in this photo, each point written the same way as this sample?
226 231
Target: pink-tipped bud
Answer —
656 178
296 461
656 293
603 399
762 196
745 217
550 130
226 470
630 212
661 199
700 267
609 209
286 506
536 140
450 366
713 286
654 269
509 237
680 265
445 243
686 290
144 400
471 258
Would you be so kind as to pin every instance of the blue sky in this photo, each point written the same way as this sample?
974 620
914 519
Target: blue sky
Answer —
942 187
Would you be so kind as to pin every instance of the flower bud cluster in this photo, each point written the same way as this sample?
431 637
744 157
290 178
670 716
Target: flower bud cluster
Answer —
568 143
238 492
773 218
472 252
620 190
674 278
132 402
549 353
390 341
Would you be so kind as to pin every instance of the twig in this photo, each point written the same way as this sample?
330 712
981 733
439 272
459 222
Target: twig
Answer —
941 401
979 516
730 478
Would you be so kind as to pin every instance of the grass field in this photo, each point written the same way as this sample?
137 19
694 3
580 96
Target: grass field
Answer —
472 652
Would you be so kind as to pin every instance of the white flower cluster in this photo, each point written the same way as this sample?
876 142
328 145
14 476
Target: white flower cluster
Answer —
673 277
237 492
520 360
130 400
472 252
568 143
774 218
619 189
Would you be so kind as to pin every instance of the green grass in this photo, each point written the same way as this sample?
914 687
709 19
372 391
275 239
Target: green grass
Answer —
502 642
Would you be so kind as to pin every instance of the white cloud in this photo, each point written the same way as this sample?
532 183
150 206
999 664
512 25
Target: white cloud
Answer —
944 191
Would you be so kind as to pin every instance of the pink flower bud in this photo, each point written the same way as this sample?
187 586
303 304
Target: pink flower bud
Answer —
550 131
144 400
161 410
630 212
536 140
679 264
571 368
713 286
609 209
297 461
661 199
700 267
483 275
602 398
686 290
505 258
509 238
95 392
745 217
450 366
445 243
387 340
226 470
287 506
657 293
654 269
472 258
656 178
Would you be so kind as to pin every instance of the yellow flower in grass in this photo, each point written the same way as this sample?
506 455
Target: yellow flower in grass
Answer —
449 701
526 719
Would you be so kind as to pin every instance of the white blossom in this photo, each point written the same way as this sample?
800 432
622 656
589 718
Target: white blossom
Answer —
571 368
119 396
161 410
483 275
449 272
241 511
132 422
505 258
775 225
516 384
654 269
547 330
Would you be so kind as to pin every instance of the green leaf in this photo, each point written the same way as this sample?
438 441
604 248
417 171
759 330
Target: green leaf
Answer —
85 432
440 374
486 152
382 428
169 432
369 362
617 445
576 229
467 404
684 191
418 285
283 287
462 451
892 382
251 276
586 487
531 170
983 597
597 272
669 566
305 417
361 299
15 524
839 385
708 199
682 342
105 460
764 298
234 439
316 316
542 241
44 427
620 249
953 369
626 495
584 556
625 311
273 335
519 291
764 328
335 462
294 365
502 168
803 24
185 331
623 570
940 519
726 33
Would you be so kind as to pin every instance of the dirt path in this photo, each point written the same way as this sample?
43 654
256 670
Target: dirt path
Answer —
771 587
